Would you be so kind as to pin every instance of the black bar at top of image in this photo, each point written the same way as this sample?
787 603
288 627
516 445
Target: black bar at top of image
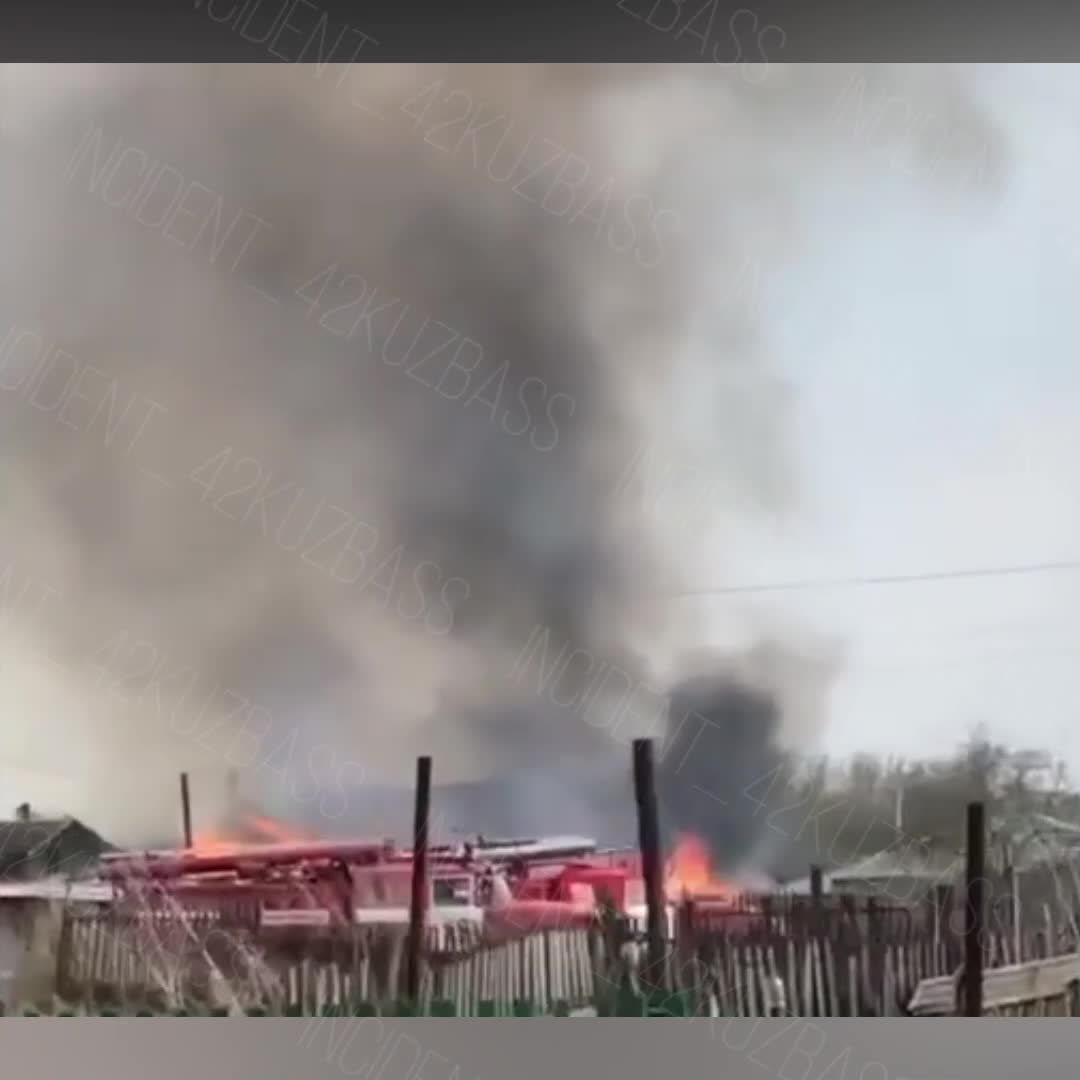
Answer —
689 31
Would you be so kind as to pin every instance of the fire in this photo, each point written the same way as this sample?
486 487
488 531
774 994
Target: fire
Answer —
248 829
690 871
272 831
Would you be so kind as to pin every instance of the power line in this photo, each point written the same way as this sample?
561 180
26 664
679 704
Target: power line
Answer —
1069 565
1002 657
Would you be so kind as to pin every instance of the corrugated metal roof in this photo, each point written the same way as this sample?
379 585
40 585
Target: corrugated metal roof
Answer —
1002 986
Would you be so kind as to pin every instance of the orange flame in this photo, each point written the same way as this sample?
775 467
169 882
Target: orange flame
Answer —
248 829
272 831
690 871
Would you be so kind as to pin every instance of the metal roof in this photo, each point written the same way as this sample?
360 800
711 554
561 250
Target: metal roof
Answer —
19 839
890 863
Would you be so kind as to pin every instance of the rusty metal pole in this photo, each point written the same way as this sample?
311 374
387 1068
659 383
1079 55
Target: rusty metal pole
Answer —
651 860
185 809
975 915
418 900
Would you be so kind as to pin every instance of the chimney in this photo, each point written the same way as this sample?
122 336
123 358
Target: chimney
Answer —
22 812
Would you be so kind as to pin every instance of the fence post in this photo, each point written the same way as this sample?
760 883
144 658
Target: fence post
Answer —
64 982
418 901
1013 881
185 809
687 952
1073 998
974 915
876 955
817 891
651 862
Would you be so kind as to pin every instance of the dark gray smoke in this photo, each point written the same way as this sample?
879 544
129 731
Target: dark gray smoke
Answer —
309 459
723 744
735 728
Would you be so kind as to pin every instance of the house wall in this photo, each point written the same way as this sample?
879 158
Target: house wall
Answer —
10 946
29 937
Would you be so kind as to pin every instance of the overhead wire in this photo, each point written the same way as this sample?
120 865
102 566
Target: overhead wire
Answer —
863 581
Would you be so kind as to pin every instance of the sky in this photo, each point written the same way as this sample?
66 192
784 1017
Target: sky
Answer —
931 343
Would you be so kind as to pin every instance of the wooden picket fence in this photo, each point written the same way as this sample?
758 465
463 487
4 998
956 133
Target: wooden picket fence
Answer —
109 961
108 958
543 968
1047 987
626 1004
818 975
833 956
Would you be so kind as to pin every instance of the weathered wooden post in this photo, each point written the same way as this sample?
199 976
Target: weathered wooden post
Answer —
651 861
766 907
185 809
418 899
875 939
817 910
1050 936
944 931
686 947
974 915
1012 880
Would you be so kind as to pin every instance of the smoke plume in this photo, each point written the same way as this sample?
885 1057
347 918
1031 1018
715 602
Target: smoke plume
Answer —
319 404
734 726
